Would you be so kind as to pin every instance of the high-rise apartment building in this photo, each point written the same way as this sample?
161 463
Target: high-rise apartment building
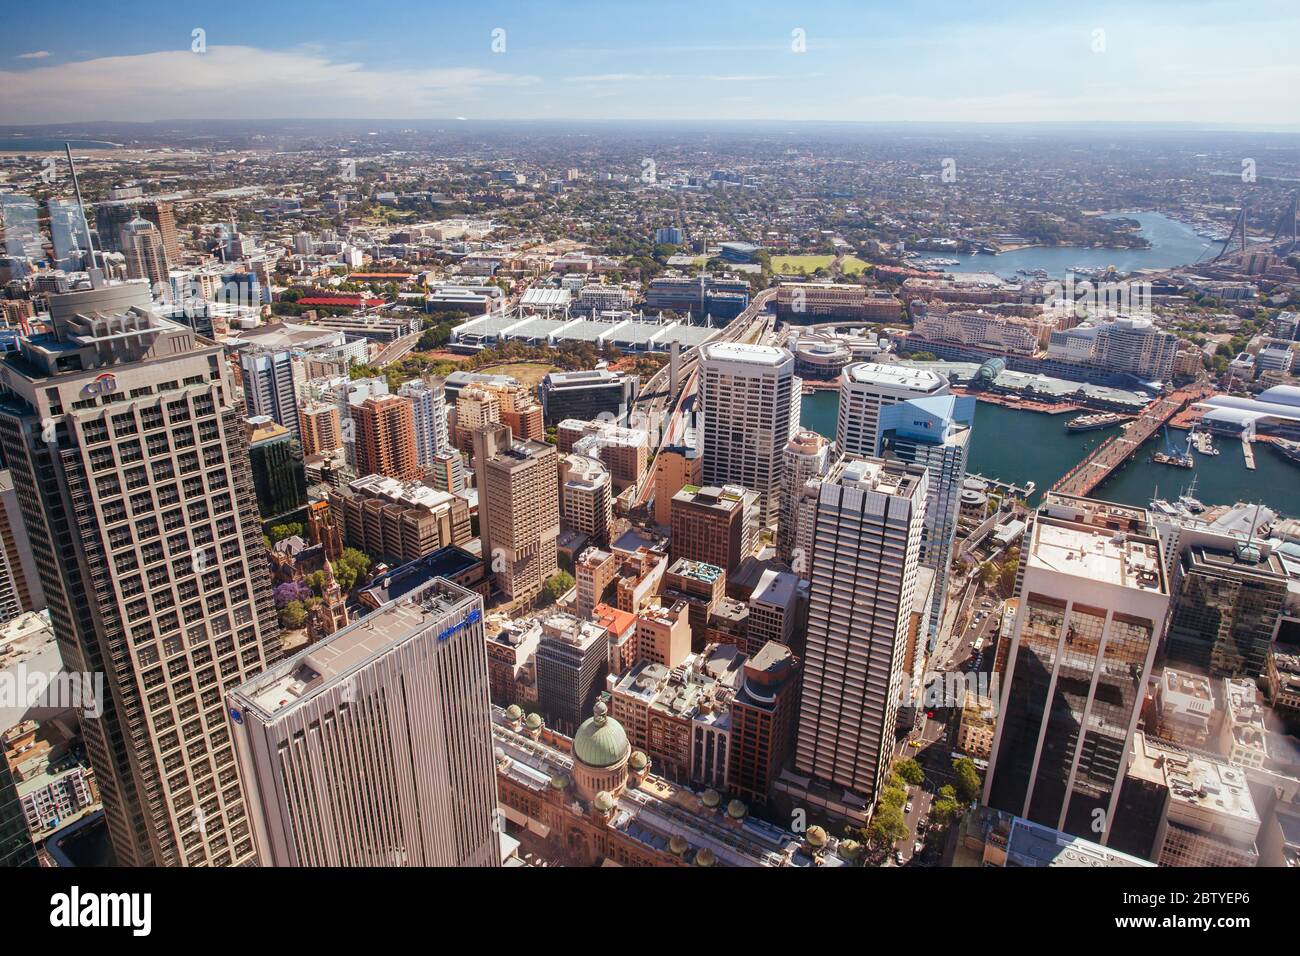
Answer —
867 548
1227 610
519 509
384 431
934 433
374 746
123 435
749 407
1092 598
586 503
143 248
448 471
429 411
806 455
269 387
572 660
320 428
866 388
398 521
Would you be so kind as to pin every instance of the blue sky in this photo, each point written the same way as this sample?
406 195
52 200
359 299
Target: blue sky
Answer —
1146 61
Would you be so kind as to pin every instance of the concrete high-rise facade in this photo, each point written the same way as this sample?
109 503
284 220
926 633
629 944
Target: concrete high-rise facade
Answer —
1092 599
676 466
269 387
718 526
749 406
867 549
866 388
124 440
145 257
20 582
320 428
374 746
519 509
934 433
586 502
429 411
384 432
807 455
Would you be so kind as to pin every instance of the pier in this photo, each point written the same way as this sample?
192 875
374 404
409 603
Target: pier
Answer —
1249 453
1084 477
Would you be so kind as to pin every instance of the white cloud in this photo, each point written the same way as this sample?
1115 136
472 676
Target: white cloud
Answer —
34 55
238 82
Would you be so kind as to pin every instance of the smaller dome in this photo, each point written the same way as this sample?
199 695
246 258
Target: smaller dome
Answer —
677 844
559 782
817 836
850 849
736 809
534 722
711 798
604 802
705 857
637 761
513 712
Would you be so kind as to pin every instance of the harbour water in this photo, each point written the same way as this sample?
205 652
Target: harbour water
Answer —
1018 446
1172 244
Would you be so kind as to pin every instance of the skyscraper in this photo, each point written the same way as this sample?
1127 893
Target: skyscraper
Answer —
863 571
429 413
145 256
269 387
385 438
934 433
374 746
807 455
749 401
519 509
1092 599
124 440
866 552
866 388
1227 609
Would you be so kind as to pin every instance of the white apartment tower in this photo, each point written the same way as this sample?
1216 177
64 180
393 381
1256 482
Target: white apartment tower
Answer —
749 400
430 408
807 455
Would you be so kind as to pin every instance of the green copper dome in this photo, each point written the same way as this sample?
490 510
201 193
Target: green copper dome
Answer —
637 761
600 740
604 801
513 712
534 721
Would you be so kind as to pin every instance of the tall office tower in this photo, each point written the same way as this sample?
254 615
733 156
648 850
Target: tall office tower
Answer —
20 582
68 230
572 660
110 218
588 395
279 476
16 847
429 409
269 387
807 455
935 433
160 213
763 716
143 248
1092 600
448 471
320 428
749 401
718 526
866 388
384 430
123 434
519 509
866 552
373 747
1227 610
675 467
586 505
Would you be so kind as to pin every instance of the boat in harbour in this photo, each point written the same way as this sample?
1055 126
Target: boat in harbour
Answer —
1290 450
1184 460
1087 423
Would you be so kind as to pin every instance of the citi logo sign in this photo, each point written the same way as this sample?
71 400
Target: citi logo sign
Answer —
76 909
